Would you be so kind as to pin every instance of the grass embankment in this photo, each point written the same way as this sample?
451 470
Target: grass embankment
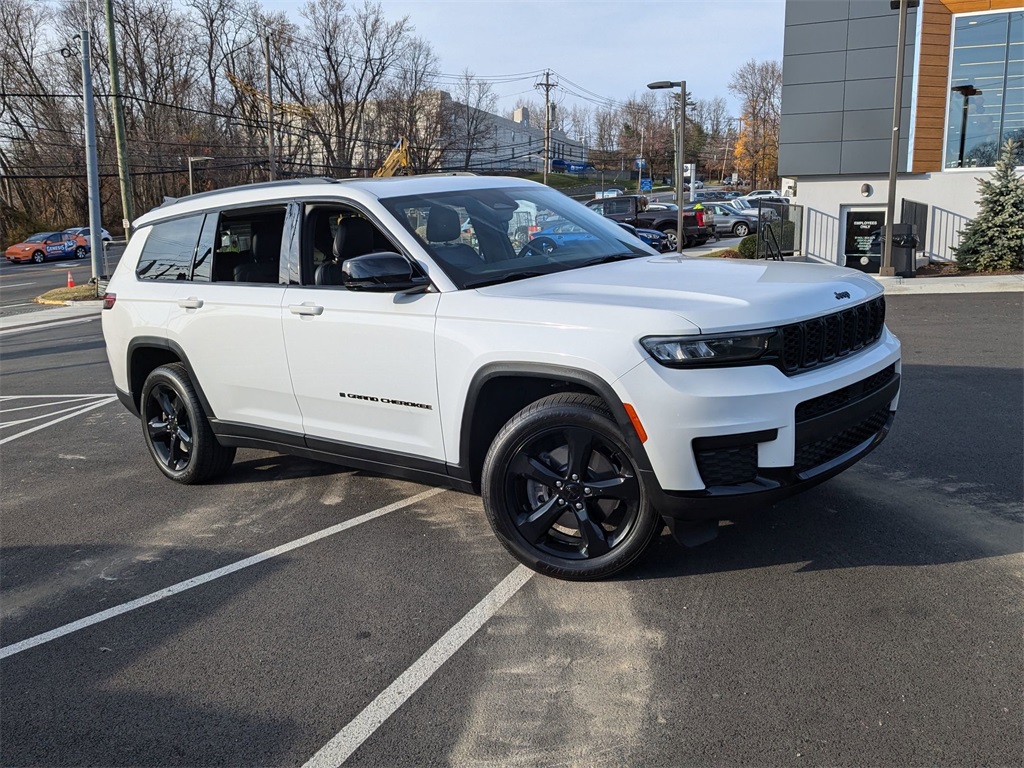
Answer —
83 292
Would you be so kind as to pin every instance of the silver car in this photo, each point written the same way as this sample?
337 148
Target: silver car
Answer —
731 221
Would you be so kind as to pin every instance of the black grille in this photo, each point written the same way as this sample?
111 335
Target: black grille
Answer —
814 454
835 400
727 466
822 339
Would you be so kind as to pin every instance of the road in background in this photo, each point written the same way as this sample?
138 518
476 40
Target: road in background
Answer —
21 283
874 620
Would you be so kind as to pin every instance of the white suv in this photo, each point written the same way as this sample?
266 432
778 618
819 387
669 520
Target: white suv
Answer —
589 388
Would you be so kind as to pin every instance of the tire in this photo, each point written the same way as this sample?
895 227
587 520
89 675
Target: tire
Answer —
563 493
176 430
80 252
38 257
741 229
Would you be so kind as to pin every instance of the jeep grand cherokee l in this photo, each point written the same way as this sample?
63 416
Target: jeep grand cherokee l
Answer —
591 391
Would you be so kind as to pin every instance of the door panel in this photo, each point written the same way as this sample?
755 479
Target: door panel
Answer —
232 334
362 367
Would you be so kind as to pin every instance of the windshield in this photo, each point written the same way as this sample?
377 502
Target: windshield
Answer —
486 236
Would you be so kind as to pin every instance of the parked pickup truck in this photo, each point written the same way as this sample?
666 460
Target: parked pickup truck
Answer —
698 225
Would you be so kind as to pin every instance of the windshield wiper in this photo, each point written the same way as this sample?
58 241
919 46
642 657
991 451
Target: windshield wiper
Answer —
610 259
508 278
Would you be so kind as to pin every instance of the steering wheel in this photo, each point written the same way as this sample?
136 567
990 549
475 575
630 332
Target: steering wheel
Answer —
541 246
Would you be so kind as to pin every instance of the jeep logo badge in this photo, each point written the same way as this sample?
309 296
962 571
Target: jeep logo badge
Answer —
842 294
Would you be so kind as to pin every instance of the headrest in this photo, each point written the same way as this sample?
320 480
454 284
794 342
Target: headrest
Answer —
353 238
442 224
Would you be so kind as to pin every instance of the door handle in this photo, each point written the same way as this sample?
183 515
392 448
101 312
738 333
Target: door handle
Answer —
306 308
190 303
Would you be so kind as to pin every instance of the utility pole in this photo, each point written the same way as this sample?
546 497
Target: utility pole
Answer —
547 85
91 161
270 110
127 205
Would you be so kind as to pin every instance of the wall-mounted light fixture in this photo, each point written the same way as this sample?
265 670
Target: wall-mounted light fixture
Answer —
866 190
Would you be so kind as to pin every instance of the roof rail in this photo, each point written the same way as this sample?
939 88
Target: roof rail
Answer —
256 185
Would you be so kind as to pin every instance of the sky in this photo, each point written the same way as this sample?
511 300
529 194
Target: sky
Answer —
611 48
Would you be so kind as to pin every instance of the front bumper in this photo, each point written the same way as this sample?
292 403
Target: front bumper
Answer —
732 439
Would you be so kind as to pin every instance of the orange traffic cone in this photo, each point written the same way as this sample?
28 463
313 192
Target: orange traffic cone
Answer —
71 280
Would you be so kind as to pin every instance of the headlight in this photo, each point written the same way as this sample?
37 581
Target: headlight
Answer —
719 349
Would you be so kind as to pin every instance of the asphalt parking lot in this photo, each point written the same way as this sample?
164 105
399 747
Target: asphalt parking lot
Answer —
302 613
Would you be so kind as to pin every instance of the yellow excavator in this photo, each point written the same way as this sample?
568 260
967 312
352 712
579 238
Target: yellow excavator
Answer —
396 162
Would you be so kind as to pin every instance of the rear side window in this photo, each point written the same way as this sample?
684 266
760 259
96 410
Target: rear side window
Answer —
168 251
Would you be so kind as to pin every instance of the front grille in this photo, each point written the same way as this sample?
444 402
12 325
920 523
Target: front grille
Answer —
814 454
835 400
822 339
727 466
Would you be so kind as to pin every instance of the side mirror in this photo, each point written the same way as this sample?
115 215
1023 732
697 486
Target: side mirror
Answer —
382 272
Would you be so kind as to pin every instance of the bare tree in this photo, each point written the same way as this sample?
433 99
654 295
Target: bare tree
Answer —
476 102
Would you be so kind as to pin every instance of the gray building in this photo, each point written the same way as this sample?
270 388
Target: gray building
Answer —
837 108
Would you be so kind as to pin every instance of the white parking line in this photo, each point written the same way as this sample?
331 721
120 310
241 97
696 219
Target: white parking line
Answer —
75 407
352 736
195 581
62 398
78 412
52 397
16 285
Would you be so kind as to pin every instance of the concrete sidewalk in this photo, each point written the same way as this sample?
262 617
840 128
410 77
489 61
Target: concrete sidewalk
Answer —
80 310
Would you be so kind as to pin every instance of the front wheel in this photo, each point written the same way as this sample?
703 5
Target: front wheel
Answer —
741 230
38 257
176 430
563 493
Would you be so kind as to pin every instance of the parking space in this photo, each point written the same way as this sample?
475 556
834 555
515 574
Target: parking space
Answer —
297 611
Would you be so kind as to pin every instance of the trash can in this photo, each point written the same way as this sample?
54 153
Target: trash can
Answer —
904 250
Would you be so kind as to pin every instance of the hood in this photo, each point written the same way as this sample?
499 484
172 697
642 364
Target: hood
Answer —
713 294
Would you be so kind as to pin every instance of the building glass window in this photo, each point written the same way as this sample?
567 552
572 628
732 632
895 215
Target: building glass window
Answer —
986 101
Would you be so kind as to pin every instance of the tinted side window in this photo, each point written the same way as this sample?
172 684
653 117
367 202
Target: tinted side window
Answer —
247 245
614 207
167 253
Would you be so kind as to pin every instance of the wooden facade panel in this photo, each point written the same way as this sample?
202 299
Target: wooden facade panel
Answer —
967 6
933 81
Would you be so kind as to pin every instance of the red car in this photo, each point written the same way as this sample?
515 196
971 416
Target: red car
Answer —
48 245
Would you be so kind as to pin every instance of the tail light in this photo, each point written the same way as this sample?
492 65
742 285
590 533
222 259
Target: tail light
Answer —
700 218
108 300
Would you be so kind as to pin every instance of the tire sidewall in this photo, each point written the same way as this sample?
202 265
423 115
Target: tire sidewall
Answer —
38 257
520 430
741 230
173 378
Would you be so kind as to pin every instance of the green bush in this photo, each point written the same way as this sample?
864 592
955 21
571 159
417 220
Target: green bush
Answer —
748 247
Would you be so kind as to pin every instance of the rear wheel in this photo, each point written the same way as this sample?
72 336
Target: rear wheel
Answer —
176 430
670 238
80 252
563 493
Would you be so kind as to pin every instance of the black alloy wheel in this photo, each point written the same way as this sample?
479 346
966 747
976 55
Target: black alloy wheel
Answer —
176 429
38 257
80 252
563 493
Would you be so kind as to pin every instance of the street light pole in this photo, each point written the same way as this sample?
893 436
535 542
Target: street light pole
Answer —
966 91
191 160
886 267
680 144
